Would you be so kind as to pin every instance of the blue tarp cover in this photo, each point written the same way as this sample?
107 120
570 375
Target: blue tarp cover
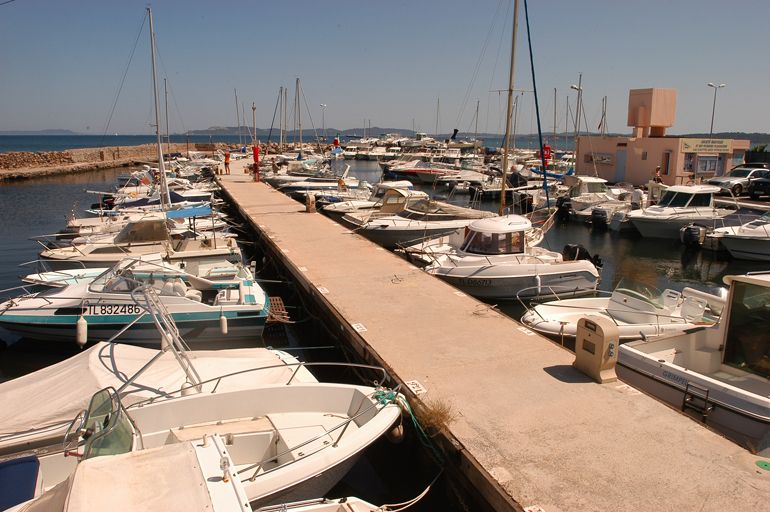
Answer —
198 211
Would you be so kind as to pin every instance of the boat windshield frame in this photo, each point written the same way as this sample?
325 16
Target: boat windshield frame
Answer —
640 290
494 244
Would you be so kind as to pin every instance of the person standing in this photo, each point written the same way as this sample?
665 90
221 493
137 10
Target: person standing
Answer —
656 177
227 162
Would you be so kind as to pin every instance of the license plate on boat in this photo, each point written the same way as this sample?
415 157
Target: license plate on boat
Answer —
114 309
476 282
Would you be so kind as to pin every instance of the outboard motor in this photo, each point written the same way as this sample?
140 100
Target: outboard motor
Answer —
575 252
692 236
599 218
563 205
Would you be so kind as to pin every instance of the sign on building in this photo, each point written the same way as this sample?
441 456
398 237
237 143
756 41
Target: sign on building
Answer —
714 146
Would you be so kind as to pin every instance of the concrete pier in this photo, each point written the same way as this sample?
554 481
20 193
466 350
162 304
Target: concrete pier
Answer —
530 431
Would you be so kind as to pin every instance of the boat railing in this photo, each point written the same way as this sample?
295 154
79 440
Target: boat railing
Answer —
299 365
553 292
390 397
664 314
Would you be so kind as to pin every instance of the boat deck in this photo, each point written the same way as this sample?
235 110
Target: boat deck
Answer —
530 430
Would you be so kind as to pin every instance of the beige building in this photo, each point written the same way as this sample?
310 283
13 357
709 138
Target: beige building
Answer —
634 159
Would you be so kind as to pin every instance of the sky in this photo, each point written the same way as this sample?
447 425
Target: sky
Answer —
390 64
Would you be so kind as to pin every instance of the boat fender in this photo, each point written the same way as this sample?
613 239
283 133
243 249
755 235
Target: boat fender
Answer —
81 331
396 434
538 284
188 389
223 323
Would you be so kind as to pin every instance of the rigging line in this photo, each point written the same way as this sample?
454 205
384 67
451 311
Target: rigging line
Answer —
478 64
590 141
537 108
168 81
270 133
123 80
310 115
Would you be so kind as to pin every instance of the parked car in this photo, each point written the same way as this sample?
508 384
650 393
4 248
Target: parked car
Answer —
759 187
738 180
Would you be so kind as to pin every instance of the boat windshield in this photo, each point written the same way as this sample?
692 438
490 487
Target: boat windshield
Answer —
747 345
119 278
588 188
640 290
675 199
494 243
108 430
145 231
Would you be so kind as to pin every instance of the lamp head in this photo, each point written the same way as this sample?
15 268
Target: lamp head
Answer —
575 87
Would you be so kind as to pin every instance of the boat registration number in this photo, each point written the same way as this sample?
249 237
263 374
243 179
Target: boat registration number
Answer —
476 282
114 309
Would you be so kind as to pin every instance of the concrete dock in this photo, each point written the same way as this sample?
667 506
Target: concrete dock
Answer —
530 431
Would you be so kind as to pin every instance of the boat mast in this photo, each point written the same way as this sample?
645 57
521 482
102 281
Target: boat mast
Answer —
168 133
165 196
438 109
554 125
510 107
476 133
299 120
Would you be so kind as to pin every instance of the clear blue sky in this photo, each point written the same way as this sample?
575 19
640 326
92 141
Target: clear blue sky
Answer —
61 62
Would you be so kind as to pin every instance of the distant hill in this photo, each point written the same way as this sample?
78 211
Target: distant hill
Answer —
39 132
309 134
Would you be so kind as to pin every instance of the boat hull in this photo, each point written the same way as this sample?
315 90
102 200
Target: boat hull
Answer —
582 276
750 431
197 329
747 248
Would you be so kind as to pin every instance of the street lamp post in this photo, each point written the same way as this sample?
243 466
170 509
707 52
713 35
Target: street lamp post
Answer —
713 108
323 120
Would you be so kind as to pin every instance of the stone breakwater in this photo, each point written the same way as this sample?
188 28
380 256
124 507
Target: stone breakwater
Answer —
25 165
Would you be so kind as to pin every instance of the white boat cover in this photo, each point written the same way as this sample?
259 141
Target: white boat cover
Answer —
164 478
57 393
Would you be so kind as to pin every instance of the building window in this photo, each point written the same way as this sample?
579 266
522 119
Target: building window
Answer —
707 164
598 159
644 155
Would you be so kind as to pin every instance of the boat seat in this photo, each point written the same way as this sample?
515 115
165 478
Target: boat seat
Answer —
19 481
671 298
693 309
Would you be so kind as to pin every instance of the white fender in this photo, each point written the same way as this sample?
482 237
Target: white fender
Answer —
81 331
223 323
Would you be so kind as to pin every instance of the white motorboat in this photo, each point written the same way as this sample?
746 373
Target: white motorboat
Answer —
638 309
587 191
376 199
498 259
422 220
138 373
718 374
229 312
679 206
138 482
281 442
144 236
750 241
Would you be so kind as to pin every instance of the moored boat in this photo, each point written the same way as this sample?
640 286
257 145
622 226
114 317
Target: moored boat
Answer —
719 374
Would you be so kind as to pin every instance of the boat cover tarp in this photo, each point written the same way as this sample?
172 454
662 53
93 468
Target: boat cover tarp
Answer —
164 478
198 211
57 393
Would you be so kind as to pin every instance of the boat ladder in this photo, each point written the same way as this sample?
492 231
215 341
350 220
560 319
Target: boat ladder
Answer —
693 391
